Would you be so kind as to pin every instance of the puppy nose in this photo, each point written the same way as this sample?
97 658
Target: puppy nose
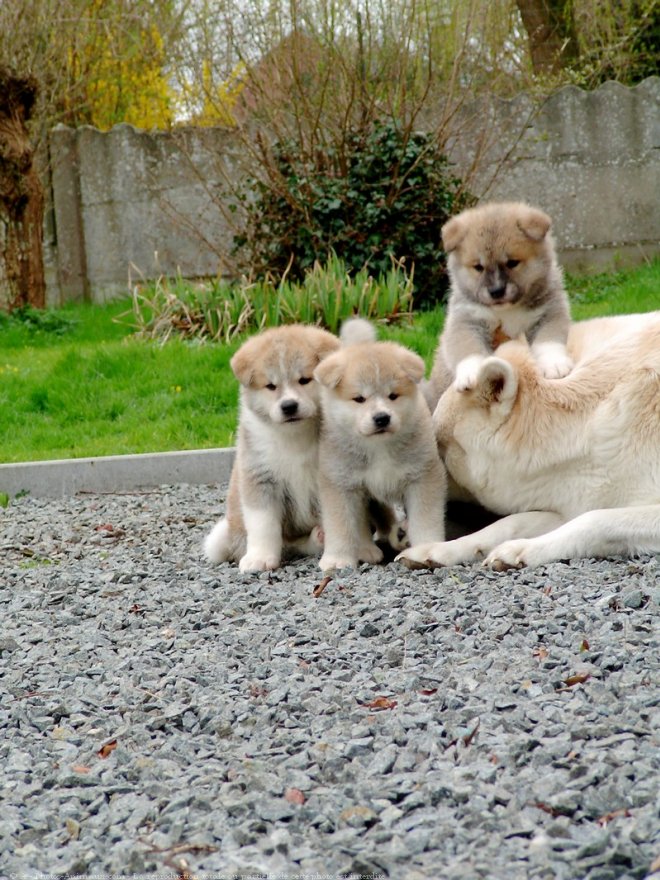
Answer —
497 292
289 407
381 420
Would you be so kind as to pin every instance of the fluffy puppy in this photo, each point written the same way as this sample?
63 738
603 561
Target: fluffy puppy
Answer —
272 502
505 283
377 444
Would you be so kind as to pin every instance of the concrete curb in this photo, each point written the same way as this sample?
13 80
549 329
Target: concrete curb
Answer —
113 473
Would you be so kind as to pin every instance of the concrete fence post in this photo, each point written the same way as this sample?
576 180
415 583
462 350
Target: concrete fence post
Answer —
67 208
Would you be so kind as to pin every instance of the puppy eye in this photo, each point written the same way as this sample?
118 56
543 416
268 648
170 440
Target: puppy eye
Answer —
359 399
478 267
511 264
271 387
393 396
304 380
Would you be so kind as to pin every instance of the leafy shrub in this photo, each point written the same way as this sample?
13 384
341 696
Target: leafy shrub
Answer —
38 320
382 194
220 310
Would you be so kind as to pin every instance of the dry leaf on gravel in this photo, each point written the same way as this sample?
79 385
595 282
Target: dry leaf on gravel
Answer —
107 748
380 703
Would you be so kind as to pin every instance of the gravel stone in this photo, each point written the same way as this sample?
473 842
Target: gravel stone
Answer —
458 723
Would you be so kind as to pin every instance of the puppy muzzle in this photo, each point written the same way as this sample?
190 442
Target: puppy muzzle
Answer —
289 409
381 421
497 294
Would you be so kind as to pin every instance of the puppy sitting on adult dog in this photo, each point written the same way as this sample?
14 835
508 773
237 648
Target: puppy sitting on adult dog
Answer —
377 443
272 504
505 283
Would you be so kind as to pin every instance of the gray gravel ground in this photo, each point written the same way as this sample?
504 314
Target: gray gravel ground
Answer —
158 712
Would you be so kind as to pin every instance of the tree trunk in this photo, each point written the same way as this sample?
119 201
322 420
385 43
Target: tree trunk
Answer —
21 195
550 29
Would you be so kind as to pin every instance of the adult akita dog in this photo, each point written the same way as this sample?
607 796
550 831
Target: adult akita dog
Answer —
573 462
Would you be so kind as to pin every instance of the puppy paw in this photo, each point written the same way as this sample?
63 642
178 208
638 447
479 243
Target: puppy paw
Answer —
312 545
370 553
330 562
553 360
259 562
413 564
467 372
557 369
317 538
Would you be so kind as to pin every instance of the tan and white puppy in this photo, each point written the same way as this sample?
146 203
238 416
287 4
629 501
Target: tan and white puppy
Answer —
505 283
575 462
272 502
377 443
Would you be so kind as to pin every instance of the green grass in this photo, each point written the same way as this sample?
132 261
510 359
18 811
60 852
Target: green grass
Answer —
95 389
635 290
74 382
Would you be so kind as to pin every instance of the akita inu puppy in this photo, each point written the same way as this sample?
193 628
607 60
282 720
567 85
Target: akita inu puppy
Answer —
273 504
505 283
377 444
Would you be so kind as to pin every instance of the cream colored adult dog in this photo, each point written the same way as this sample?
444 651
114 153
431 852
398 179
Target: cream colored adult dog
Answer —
575 461
377 445
273 491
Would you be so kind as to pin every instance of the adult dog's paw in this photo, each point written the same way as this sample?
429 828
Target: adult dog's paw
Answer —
422 556
510 554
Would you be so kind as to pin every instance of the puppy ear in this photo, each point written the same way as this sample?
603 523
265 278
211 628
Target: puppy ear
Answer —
242 363
324 343
497 383
329 371
412 364
534 223
453 233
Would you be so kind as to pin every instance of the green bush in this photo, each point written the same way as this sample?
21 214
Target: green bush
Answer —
382 194
37 320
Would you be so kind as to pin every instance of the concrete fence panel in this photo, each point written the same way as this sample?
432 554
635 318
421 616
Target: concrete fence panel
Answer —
137 204
592 161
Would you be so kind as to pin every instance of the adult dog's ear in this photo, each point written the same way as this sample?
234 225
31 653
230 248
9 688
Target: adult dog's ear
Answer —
534 223
453 233
497 383
330 370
